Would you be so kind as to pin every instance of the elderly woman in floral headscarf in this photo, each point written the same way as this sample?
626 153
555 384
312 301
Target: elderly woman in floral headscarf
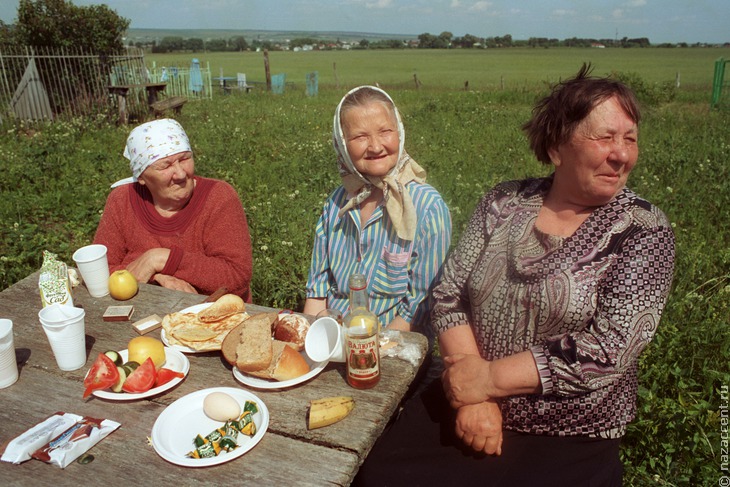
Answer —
168 226
384 221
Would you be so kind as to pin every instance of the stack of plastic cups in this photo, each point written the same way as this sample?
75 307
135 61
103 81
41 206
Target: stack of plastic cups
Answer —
8 364
66 332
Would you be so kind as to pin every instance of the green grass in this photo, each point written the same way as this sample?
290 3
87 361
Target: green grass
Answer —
276 151
485 69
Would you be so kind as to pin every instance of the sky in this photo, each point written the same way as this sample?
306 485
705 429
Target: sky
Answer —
691 21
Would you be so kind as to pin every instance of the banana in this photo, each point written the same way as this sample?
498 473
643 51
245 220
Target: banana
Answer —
329 410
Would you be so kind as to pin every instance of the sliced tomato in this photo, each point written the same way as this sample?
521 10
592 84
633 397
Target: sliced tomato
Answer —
142 379
166 375
102 374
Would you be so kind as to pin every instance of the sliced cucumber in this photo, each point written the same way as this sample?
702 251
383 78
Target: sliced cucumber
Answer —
130 367
117 387
115 357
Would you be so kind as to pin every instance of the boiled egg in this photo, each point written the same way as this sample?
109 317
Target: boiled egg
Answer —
219 406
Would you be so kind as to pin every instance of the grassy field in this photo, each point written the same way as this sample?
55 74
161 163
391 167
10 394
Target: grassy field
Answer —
485 69
276 151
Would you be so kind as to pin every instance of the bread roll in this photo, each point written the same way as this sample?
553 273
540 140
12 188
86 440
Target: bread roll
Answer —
287 364
254 350
291 328
226 305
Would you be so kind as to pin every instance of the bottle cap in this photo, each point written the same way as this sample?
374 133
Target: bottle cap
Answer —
357 281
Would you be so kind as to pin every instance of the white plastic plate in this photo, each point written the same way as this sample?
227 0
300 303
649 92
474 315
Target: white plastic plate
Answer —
251 381
174 360
178 425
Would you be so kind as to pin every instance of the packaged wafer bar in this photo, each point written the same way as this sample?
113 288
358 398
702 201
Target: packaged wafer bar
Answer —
53 282
75 441
20 449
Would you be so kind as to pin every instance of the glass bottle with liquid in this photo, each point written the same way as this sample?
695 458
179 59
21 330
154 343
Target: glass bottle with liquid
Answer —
361 337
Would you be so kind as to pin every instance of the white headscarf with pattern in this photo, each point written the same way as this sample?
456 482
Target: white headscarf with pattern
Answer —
150 142
396 196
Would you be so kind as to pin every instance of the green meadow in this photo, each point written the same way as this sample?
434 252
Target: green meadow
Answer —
484 69
276 151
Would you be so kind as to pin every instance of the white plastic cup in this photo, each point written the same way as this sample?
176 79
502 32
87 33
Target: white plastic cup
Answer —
8 364
66 332
325 341
332 313
94 267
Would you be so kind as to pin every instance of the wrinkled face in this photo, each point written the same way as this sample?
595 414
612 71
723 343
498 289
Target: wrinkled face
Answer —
170 180
594 165
371 137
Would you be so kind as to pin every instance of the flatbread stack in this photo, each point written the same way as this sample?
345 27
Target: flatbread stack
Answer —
204 331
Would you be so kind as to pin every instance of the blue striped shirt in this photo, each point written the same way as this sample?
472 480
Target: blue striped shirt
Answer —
399 272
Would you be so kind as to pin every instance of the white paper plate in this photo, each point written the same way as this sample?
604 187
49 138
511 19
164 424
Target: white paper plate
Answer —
315 369
192 309
174 360
176 427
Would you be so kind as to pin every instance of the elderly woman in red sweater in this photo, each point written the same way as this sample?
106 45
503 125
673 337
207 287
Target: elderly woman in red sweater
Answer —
168 226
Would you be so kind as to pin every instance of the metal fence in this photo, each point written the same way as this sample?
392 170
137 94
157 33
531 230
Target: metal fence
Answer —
192 82
51 84
44 84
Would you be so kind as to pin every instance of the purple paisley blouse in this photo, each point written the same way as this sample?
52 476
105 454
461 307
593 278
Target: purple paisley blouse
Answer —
584 305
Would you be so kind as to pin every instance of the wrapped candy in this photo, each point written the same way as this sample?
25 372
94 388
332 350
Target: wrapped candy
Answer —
225 438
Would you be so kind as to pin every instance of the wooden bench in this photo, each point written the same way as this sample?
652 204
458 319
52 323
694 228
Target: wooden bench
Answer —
173 103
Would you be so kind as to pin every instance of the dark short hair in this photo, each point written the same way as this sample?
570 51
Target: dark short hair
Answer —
556 116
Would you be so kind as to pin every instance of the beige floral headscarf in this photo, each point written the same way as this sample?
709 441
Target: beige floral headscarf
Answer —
152 141
397 198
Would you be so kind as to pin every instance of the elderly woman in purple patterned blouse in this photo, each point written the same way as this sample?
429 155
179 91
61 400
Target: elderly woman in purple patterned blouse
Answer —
543 309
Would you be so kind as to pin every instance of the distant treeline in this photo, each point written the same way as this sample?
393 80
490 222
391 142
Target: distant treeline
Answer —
445 40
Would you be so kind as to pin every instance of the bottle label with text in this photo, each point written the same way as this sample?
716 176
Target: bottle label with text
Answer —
362 357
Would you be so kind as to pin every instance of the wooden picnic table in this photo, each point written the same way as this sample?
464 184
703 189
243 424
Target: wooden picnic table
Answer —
122 91
288 453
223 81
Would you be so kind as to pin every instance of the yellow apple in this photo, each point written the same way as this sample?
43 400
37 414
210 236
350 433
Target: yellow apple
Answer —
122 285
139 348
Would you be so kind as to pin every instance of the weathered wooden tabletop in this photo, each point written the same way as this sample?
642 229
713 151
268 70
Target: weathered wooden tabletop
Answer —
288 454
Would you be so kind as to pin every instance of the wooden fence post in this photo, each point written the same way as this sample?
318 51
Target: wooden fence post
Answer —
267 70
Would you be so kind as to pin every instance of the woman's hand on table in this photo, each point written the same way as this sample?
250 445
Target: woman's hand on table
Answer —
148 264
479 426
171 282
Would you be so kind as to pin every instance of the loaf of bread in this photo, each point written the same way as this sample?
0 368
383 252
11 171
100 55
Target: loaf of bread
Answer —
230 344
286 363
291 328
247 344
254 350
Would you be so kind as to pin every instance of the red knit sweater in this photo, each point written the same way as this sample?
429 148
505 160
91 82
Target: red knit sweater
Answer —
209 242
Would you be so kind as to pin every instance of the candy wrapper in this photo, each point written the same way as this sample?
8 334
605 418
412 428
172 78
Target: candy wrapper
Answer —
60 439
54 282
